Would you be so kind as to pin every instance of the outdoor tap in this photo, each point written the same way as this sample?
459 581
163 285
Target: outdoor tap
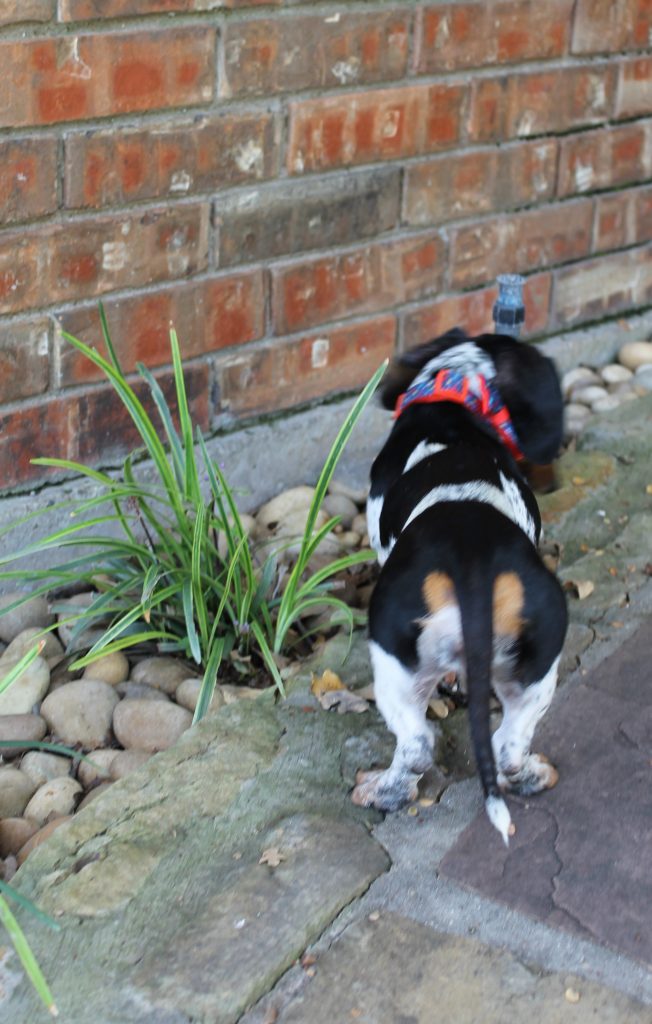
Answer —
509 310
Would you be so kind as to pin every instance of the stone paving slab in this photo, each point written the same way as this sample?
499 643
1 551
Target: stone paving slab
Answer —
581 858
392 970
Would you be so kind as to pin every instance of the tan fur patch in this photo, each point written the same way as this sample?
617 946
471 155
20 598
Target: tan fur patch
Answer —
508 605
438 591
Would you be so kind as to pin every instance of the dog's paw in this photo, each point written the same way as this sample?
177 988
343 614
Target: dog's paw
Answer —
383 790
535 775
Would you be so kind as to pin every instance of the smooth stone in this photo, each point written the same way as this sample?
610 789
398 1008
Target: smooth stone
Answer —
635 354
34 612
93 795
187 694
349 539
28 689
580 376
15 792
27 638
110 668
53 799
614 373
102 759
127 761
232 694
359 524
20 727
73 606
607 404
40 766
356 494
575 409
162 673
81 712
149 725
14 833
272 512
589 395
340 505
140 691
248 524
643 378
40 837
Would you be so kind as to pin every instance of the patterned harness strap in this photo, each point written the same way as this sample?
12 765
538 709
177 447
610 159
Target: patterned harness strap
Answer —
453 386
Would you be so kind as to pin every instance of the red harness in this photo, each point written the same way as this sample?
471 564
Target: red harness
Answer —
452 386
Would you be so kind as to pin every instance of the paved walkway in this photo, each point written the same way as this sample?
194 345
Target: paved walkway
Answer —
169 917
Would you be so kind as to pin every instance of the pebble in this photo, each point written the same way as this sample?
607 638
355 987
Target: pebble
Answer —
34 612
580 376
589 395
614 373
149 725
162 673
235 693
140 691
608 403
278 508
28 689
187 695
14 833
20 727
81 712
40 837
359 524
27 638
70 607
41 766
15 792
93 795
110 668
349 539
127 761
356 494
340 505
635 354
102 759
643 378
53 799
248 525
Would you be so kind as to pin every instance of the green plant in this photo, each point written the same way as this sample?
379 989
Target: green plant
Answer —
21 945
150 550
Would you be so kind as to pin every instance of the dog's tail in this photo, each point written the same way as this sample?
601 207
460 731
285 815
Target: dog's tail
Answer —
475 596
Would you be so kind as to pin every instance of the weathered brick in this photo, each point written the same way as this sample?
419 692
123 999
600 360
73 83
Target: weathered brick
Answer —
473 312
83 10
523 242
464 35
287 218
92 428
364 281
207 315
623 218
605 158
115 166
293 371
15 12
479 181
82 259
24 359
634 92
520 105
607 26
317 51
355 128
603 286
28 178
68 78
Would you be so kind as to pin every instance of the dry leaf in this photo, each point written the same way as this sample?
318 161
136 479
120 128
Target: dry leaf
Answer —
271 856
613 570
344 700
271 1015
580 589
325 683
584 548
578 481
438 707
617 625
648 489
413 811
572 995
426 801
308 960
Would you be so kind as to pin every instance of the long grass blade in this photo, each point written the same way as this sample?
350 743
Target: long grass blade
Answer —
210 678
191 631
21 665
27 958
22 901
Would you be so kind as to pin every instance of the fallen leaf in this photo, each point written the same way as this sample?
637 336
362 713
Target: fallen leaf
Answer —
271 856
426 801
344 700
578 480
584 548
438 707
271 1016
648 489
572 995
580 589
613 571
307 960
413 811
325 683
617 625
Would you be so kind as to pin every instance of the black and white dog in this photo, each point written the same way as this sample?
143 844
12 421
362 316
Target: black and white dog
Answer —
462 587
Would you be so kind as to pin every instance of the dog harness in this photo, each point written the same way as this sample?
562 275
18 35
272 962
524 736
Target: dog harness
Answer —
483 400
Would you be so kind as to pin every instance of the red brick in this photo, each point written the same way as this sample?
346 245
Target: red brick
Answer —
473 312
68 78
15 12
317 51
607 26
634 93
605 158
116 166
338 131
28 178
521 105
624 218
92 428
289 372
24 359
479 181
207 315
290 216
478 34
523 242
603 286
364 281
88 258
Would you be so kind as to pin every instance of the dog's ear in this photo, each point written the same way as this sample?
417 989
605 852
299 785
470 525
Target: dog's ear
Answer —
405 367
529 386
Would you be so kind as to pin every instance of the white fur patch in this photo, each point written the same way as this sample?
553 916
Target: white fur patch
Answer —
519 513
508 501
499 816
422 451
374 509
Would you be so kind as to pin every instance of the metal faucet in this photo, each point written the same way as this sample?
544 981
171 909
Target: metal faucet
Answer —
509 310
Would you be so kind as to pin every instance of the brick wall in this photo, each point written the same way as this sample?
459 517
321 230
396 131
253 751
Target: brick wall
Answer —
301 188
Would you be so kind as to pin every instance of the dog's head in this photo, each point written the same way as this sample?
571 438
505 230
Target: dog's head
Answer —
526 380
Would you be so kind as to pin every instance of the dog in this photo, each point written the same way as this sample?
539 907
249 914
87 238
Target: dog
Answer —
462 588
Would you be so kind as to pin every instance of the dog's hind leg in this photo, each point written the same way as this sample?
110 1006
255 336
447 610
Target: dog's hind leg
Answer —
402 703
523 706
